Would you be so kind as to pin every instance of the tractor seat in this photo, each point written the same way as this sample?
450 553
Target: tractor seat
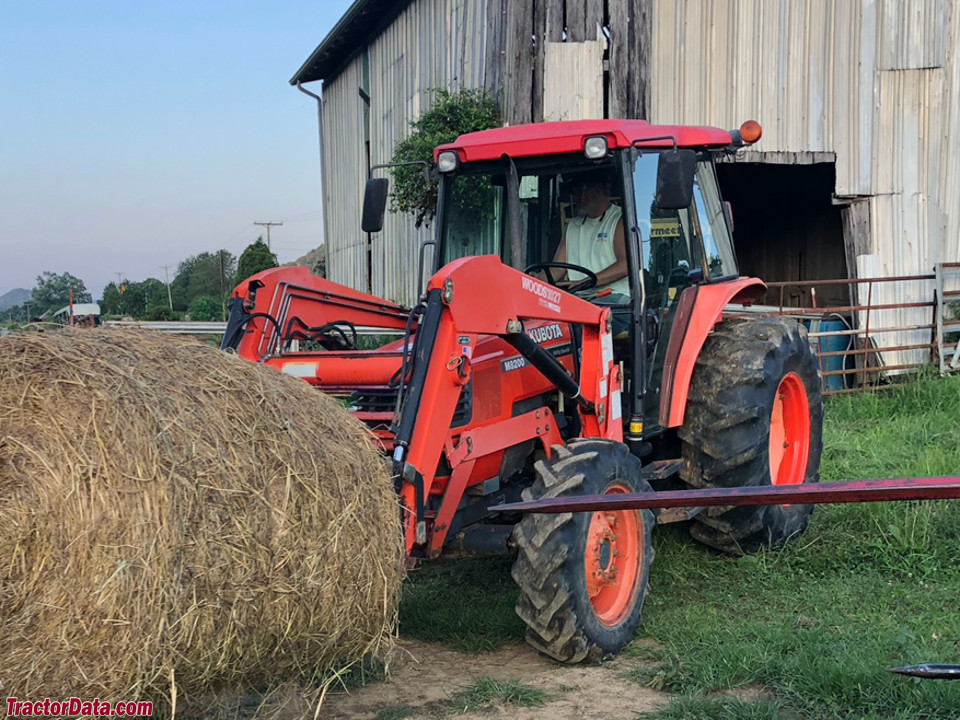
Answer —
652 328
621 315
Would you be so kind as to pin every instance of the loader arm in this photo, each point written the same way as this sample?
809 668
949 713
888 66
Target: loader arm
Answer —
482 296
272 306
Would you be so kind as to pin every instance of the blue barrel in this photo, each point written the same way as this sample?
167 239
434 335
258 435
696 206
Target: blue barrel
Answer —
829 344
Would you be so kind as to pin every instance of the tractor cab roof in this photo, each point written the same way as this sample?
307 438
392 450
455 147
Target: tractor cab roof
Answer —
551 138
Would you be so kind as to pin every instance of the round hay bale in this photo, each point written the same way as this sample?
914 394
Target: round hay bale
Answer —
176 522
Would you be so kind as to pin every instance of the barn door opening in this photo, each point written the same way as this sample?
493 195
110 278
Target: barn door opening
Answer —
786 228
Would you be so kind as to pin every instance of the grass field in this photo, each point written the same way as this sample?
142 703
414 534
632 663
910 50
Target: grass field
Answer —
805 632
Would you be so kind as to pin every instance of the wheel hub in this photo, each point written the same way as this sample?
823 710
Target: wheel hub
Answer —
614 559
789 432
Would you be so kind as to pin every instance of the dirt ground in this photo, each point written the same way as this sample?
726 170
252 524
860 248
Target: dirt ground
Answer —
423 676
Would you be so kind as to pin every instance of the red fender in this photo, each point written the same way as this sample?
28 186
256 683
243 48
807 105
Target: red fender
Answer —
700 308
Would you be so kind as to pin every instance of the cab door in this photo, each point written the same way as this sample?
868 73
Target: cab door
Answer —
679 248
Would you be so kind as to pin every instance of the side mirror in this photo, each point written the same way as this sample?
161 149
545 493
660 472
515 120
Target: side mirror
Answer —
374 205
675 172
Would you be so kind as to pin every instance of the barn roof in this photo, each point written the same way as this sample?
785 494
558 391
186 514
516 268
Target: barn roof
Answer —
363 21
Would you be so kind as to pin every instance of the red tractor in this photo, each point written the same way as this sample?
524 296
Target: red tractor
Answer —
521 373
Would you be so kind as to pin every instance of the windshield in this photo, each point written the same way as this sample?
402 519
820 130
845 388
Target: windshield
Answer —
554 207
674 242
473 218
474 215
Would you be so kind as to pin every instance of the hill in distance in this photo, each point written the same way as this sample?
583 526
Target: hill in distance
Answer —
17 296
315 259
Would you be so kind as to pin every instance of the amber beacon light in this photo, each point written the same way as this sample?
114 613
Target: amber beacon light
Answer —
750 131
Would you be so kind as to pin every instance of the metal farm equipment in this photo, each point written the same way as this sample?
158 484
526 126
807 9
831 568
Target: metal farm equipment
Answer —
516 377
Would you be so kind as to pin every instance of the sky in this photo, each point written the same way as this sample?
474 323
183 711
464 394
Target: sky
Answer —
134 134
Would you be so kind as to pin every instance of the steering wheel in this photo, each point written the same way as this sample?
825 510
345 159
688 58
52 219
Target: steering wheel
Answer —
588 282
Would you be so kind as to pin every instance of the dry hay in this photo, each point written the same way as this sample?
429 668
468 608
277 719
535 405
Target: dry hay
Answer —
176 522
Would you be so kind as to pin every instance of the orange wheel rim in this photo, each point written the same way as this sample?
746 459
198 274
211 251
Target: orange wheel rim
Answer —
789 432
614 556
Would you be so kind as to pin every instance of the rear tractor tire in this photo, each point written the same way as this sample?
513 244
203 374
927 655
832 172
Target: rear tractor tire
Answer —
583 576
754 417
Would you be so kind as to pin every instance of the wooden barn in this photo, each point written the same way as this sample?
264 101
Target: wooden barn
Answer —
859 102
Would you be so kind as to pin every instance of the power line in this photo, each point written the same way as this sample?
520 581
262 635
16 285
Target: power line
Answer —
245 232
268 225
303 216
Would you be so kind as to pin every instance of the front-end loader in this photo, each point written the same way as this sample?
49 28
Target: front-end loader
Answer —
507 383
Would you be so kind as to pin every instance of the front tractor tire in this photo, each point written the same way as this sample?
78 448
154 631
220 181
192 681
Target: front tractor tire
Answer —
754 417
583 576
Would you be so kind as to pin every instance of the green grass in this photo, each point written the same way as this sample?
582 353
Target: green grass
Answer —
487 694
816 624
910 430
358 674
707 708
466 604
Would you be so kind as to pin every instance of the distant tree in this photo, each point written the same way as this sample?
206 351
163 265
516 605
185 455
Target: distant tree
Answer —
10 313
111 303
143 296
133 299
320 264
52 292
205 309
206 274
255 258
162 313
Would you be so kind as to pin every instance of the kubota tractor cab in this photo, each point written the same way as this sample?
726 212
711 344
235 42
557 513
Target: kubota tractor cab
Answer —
519 374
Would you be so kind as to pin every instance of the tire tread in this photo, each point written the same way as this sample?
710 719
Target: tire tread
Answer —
546 565
726 430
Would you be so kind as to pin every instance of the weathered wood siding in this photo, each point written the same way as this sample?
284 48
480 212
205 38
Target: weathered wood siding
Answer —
432 44
344 175
541 58
573 80
876 82
531 62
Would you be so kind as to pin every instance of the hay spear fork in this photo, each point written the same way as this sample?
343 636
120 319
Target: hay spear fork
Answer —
915 488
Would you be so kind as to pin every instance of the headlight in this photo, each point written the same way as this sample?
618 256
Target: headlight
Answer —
447 161
595 147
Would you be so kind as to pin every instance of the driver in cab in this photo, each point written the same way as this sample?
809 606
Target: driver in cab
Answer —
594 239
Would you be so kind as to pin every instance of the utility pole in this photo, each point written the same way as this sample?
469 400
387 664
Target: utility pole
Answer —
119 291
268 225
166 276
223 299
